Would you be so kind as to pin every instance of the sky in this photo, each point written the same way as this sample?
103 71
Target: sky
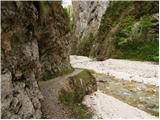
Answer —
65 3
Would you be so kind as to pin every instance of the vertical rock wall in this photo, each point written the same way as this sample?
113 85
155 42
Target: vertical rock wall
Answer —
88 17
35 41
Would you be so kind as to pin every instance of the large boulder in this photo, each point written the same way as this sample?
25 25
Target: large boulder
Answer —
78 86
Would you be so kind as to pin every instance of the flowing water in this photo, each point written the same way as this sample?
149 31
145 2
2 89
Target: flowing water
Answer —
140 95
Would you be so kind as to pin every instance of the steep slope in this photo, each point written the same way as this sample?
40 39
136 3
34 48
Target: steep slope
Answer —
35 45
128 30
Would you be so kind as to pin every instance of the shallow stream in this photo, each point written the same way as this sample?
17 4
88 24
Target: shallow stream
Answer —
137 94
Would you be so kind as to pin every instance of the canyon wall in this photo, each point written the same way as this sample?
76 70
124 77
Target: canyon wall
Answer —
35 45
128 30
87 16
116 29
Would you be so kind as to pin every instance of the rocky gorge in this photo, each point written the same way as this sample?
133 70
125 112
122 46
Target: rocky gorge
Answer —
90 59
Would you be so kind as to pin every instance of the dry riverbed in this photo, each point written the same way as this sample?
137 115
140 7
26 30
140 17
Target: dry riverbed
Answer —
146 72
140 95
107 107
127 89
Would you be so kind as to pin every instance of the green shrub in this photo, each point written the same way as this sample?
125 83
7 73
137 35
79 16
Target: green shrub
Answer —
133 40
73 101
80 85
69 12
86 45
145 51
130 27
122 41
145 22
111 16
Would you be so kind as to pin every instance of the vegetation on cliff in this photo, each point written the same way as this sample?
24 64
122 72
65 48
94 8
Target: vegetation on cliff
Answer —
129 33
128 30
85 46
38 38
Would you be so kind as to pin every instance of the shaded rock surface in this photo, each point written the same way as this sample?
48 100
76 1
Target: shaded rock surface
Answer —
35 42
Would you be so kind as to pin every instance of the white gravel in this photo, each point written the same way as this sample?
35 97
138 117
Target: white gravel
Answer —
145 72
105 106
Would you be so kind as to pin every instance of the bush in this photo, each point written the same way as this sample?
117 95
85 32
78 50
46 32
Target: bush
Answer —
133 41
145 51
73 101
130 27
145 22
79 85
69 12
85 46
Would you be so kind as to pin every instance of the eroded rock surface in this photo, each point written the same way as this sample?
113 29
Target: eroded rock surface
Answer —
88 17
35 42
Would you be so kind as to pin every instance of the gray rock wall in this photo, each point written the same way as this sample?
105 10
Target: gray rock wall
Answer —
88 17
33 44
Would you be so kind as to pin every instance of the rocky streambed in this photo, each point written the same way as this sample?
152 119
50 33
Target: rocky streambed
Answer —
137 94
126 89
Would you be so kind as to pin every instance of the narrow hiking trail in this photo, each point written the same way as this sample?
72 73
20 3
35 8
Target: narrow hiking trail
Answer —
125 88
51 106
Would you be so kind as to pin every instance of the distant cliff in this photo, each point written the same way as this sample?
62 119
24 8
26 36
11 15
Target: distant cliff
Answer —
87 16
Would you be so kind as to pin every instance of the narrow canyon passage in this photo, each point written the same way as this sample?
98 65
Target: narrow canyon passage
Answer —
79 59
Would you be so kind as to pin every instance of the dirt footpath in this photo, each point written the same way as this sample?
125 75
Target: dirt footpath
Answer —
51 106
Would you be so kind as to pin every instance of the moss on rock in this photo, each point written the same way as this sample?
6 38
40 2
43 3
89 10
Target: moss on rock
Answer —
72 95
52 74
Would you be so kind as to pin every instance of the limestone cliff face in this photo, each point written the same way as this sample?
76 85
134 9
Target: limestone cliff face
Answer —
87 16
35 43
